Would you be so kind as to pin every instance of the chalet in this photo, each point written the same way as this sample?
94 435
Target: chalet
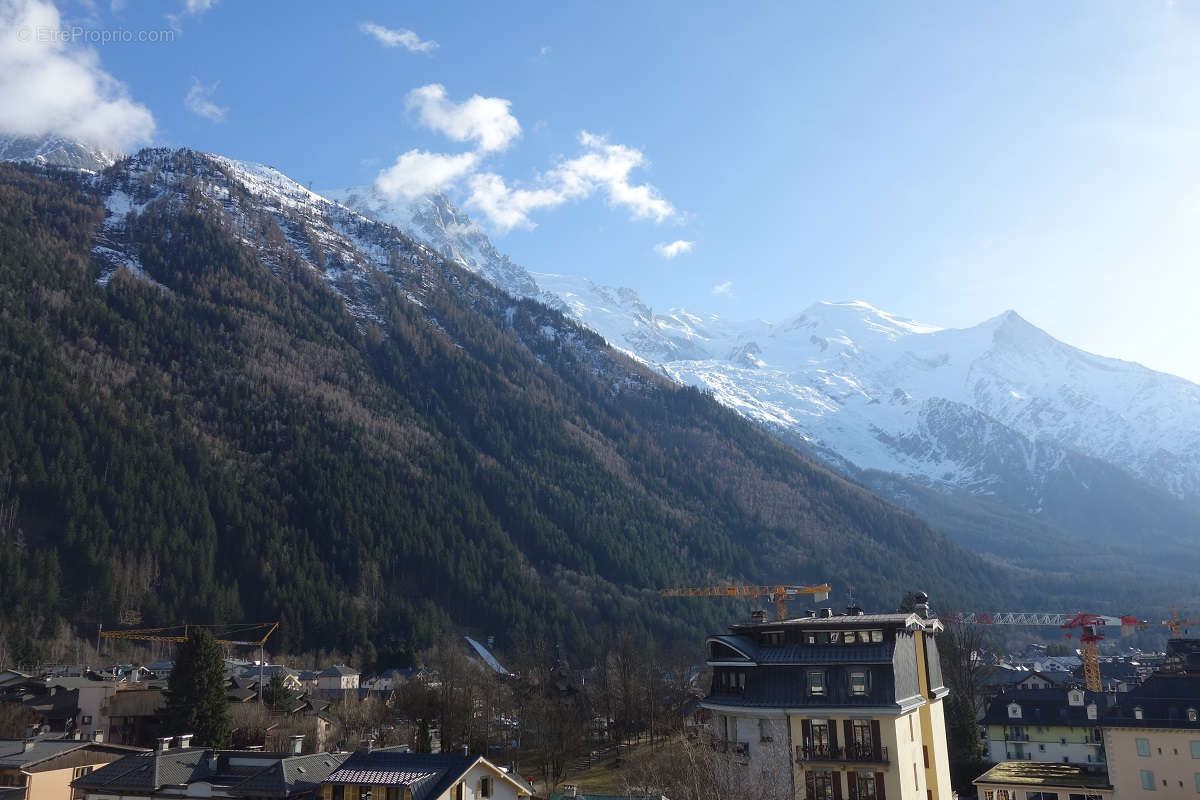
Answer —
392 774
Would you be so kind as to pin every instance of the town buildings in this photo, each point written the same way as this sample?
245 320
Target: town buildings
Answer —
856 698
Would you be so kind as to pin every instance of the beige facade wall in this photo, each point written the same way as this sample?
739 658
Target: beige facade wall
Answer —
1170 759
904 776
52 784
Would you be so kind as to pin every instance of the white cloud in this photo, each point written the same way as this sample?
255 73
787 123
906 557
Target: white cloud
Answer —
418 172
603 168
398 37
199 101
509 208
606 167
544 51
723 288
483 120
673 249
49 87
198 6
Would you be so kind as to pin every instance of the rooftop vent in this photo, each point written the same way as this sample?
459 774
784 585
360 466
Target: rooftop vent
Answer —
297 743
826 613
758 615
184 740
854 611
163 744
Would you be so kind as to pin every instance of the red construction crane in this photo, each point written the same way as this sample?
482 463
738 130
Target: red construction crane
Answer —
1089 626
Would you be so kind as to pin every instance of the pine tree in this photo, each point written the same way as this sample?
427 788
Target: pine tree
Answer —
424 737
195 699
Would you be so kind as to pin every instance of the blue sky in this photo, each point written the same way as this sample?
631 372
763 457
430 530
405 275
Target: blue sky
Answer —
942 161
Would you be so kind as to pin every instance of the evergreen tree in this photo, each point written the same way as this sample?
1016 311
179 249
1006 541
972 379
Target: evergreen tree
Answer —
424 737
195 697
276 695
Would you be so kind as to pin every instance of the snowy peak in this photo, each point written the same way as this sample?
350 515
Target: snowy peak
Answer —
56 151
854 318
434 220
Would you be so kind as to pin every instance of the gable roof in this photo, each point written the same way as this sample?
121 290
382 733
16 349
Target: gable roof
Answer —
427 774
1165 702
338 670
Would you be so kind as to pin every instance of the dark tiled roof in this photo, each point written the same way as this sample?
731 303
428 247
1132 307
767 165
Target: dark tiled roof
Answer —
13 754
147 772
290 775
13 792
275 775
827 654
338 669
1043 707
1164 700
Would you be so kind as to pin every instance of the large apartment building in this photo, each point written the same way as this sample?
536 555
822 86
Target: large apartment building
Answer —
857 697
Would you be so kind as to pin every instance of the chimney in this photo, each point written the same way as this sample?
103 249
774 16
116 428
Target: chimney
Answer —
854 611
296 744
98 737
826 613
29 743
758 615
921 604
365 745
164 744
464 751
184 740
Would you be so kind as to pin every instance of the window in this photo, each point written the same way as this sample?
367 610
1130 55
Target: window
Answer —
865 783
459 793
86 720
1041 748
816 684
862 745
1198 781
1014 711
916 778
1041 796
823 785
81 771
393 793
876 637
1137 712
810 638
485 786
1143 747
912 736
820 738
1078 796
1148 780
364 793
1195 743
339 793
925 754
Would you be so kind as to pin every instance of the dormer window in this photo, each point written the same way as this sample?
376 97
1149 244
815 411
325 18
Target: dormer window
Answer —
1137 712
1091 710
1014 710
1075 697
1191 715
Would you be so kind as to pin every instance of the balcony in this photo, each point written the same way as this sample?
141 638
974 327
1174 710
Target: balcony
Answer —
1016 736
859 754
726 746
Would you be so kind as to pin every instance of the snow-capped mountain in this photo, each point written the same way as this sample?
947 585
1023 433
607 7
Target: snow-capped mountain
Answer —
56 151
1000 409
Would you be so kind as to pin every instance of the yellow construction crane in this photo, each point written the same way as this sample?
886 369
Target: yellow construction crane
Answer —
234 634
249 634
1176 624
779 594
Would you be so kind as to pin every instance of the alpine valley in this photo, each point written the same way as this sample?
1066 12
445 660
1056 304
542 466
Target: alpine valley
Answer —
224 394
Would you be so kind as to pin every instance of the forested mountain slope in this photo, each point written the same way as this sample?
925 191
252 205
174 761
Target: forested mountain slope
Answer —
223 402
